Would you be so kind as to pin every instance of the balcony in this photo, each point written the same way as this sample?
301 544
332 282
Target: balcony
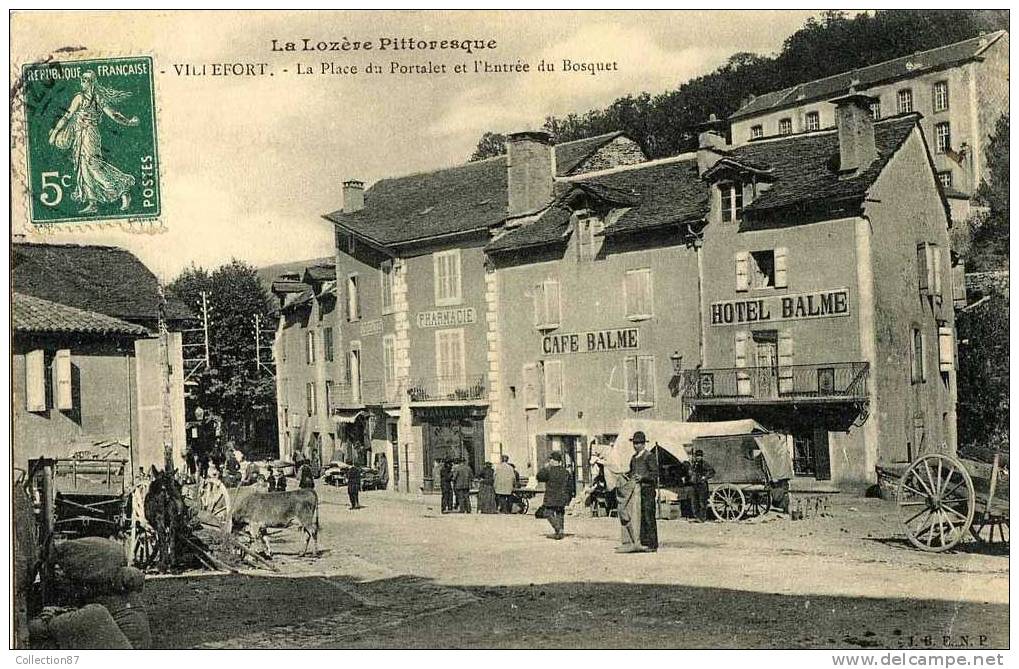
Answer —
824 383
459 389
345 396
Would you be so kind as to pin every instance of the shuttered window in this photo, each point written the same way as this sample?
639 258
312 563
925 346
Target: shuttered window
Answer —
310 398
547 305
781 264
389 365
62 372
928 261
959 283
918 371
740 350
449 360
328 349
946 348
309 347
446 275
639 294
353 299
532 386
589 229
640 381
785 362
553 384
386 272
742 272
35 380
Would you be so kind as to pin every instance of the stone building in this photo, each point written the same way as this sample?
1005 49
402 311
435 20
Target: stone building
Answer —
960 89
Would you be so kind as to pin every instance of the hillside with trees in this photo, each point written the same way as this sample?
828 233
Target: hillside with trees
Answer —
666 124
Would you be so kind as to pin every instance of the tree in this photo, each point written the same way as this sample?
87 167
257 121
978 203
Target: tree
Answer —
233 387
491 144
990 230
983 408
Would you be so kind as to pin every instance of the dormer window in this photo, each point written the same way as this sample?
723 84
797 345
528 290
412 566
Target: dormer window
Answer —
813 121
756 132
785 126
732 201
589 228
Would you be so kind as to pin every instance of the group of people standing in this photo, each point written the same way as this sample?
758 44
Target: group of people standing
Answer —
495 485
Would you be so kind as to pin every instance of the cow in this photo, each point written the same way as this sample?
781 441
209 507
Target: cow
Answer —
258 510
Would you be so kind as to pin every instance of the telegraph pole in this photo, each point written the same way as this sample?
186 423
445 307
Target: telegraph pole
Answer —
165 390
269 366
195 360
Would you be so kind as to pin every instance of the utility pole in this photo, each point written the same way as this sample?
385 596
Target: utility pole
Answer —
270 365
165 389
196 353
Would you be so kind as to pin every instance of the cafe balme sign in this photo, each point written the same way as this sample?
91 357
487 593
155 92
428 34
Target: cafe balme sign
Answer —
623 339
820 304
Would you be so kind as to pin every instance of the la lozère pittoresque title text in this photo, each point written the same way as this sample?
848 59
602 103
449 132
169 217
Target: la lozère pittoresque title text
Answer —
465 45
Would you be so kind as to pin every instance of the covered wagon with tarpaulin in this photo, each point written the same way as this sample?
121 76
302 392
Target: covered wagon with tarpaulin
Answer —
752 465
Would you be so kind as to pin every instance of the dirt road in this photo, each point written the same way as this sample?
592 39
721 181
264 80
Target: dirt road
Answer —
399 574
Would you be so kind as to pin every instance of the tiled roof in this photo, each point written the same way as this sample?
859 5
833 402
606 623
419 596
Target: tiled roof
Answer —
323 272
663 193
35 315
861 79
447 201
103 279
804 168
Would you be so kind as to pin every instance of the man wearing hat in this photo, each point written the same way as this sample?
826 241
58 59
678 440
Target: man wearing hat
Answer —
558 491
700 473
644 472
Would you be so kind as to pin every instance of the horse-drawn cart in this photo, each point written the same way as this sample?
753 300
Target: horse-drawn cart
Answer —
79 497
941 499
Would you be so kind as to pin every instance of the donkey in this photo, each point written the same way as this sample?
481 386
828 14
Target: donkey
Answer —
166 513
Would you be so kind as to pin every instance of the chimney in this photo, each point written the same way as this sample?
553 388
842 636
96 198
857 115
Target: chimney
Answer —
857 149
530 173
353 196
710 143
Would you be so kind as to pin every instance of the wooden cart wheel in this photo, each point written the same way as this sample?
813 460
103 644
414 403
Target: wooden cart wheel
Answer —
728 503
214 507
991 529
524 505
936 502
141 538
758 503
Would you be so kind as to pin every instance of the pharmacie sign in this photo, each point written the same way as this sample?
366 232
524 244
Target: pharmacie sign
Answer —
819 304
624 339
441 318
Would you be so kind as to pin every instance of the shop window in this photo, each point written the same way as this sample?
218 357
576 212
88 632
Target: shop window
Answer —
638 294
918 371
942 137
904 101
589 239
810 453
732 201
547 306
940 96
812 121
447 276
640 381
875 110
928 259
353 298
553 383
309 347
756 132
785 126
386 276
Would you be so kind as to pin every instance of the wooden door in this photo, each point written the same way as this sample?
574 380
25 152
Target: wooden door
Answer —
766 364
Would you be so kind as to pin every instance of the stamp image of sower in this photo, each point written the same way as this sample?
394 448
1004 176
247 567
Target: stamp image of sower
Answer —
91 140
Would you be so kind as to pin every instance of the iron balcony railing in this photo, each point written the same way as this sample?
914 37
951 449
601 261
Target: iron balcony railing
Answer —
347 396
466 388
823 382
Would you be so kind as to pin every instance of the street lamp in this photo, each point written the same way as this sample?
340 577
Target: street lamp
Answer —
677 363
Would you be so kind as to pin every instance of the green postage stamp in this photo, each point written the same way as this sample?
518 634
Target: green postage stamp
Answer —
91 140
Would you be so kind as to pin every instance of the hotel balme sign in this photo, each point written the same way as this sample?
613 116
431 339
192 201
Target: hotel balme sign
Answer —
819 304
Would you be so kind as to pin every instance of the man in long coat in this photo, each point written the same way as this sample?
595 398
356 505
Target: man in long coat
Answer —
505 480
559 489
638 499
463 477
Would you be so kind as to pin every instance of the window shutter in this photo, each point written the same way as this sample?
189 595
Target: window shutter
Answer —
742 272
785 362
35 380
959 283
454 262
62 365
646 379
530 391
646 293
552 306
946 348
935 270
921 267
631 378
553 370
742 377
781 254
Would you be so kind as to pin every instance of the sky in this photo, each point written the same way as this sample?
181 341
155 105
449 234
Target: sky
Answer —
250 164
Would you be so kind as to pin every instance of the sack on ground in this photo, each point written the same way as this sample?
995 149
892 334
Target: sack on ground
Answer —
89 558
129 613
88 628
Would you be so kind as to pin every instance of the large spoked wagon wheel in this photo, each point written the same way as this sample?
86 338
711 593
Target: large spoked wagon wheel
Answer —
141 542
214 507
936 502
728 502
758 502
521 503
